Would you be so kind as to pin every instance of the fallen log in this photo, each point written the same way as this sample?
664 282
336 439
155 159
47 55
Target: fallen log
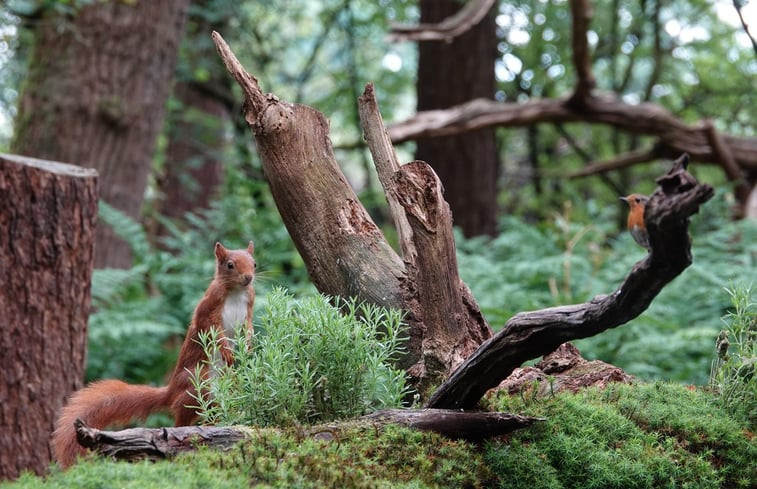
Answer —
160 443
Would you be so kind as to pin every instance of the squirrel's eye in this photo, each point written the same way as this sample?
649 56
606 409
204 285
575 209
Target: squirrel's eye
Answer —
230 265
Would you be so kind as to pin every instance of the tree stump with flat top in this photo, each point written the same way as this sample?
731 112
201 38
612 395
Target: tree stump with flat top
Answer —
47 223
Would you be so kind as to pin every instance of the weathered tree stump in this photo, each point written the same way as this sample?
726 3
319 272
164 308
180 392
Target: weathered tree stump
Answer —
345 252
47 224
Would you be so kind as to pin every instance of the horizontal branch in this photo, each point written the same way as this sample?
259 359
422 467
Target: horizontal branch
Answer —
621 161
674 136
458 425
531 334
161 443
155 443
446 30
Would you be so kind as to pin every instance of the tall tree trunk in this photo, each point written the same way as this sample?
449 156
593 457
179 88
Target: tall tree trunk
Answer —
48 219
193 168
197 128
95 96
450 73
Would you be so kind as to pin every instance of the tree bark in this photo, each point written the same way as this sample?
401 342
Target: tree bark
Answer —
450 73
193 169
160 443
345 252
196 130
563 370
47 218
96 95
528 335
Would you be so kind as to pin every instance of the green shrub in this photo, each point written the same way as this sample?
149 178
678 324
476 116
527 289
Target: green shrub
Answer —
733 370
309 362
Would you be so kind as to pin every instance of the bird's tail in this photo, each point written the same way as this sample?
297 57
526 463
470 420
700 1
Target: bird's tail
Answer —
100 405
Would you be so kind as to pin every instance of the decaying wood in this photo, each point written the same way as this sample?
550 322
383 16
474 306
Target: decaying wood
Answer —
471 426
387 164
345 252
47 236
160 443
446 30
156 443
531 334
563 370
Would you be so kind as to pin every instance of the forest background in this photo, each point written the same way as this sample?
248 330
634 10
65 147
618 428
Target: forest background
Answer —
549 234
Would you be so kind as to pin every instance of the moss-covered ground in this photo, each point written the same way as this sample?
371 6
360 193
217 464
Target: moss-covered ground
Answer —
638 436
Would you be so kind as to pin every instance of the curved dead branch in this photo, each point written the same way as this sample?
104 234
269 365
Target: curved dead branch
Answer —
446 30
531 334
674 136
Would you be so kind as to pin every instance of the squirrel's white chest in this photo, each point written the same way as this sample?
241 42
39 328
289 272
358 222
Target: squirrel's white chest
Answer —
234 311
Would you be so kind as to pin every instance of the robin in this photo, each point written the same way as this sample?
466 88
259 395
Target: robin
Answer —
636 225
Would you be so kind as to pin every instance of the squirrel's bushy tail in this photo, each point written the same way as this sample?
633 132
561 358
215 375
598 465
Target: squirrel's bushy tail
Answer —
100 405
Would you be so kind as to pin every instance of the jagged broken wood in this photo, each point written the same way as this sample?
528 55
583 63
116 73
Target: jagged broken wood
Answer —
531 334
160 443
346 254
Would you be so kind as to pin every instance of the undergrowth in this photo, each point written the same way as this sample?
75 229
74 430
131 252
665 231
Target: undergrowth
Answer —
656 435
733 370
531 266
571 258
309 361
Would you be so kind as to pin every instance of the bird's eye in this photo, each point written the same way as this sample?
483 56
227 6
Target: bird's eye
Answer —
638 200
230 265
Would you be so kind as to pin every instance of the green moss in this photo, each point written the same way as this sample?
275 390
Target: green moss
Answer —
359 458
102 474
626 436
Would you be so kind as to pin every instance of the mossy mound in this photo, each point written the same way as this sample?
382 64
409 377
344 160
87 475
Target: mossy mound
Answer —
625 436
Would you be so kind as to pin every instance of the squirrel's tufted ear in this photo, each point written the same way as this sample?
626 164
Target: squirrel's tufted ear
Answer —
221 251
251 247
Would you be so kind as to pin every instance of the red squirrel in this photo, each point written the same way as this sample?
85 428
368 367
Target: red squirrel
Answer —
226 304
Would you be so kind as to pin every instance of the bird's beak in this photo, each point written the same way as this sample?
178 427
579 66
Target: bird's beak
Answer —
624 199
